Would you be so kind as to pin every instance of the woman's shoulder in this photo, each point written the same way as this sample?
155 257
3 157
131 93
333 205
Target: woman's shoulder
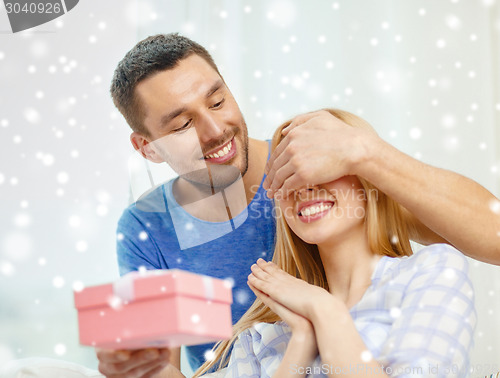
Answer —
438 256
432 259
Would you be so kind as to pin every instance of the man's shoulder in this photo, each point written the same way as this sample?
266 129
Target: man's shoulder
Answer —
149 206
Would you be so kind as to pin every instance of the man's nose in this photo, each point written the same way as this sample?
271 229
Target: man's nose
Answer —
209 128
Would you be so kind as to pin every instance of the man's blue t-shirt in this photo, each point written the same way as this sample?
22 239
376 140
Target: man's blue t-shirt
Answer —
156 233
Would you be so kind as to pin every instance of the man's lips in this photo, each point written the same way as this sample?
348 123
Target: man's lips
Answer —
312 210
222 154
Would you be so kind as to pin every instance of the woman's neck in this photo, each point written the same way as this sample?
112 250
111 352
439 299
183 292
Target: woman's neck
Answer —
349 264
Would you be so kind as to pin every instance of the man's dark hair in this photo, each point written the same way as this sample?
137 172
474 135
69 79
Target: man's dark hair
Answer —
149 56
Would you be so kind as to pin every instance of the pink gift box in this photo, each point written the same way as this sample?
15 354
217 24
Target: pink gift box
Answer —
155 308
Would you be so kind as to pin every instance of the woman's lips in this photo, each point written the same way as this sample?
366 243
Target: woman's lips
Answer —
313 210
222 154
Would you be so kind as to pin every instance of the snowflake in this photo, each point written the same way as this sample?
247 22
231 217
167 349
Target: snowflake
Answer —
209 355
366 356
31 115
415 133
81 246
60 349
58 282
74 221
395 312
62 177
22 220
78 286
195 318
102 210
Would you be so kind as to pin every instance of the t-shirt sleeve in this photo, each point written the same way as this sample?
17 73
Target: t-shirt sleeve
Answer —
135 247
433 331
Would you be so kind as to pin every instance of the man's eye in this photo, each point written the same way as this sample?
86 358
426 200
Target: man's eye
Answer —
184 127
218 104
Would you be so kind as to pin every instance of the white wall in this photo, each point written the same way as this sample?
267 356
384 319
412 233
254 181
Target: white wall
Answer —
63 173
424 73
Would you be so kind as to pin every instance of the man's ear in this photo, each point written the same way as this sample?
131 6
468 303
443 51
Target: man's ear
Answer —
145 148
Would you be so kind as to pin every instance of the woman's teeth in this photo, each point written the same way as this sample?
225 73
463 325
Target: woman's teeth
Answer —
222 152
311 210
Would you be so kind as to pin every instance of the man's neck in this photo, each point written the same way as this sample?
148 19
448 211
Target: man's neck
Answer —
221 204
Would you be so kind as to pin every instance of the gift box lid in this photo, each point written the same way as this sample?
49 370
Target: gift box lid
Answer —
149 284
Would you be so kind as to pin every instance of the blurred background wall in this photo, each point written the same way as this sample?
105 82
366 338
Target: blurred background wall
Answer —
424 73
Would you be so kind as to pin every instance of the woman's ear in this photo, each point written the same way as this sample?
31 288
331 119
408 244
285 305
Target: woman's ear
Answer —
145 148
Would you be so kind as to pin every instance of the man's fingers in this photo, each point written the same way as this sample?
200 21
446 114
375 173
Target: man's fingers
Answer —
273 177
142 360
292 183
112 356
299 120
277 152
281 176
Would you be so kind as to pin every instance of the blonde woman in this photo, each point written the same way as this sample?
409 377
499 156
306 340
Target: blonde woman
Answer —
345 295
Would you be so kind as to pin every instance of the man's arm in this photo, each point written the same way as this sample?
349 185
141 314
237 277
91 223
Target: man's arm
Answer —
444 204
320 148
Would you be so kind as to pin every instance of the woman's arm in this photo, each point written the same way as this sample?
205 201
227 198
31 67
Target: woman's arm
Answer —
339 343
341 348
298 356
431 334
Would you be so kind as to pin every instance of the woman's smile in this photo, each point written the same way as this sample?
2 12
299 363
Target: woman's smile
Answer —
311 211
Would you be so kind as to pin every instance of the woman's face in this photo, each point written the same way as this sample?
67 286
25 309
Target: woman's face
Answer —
328 212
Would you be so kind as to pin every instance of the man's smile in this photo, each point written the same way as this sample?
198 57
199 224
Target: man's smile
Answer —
222 154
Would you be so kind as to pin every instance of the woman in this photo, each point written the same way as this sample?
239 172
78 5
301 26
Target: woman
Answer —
345 286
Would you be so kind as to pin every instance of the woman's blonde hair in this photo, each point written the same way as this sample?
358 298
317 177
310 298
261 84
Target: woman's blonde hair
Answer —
388 234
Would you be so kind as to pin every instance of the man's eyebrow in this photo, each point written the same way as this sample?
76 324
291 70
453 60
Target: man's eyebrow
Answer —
175 113
170 116
214 88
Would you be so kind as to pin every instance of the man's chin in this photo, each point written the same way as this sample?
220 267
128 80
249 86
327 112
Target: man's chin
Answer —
213 176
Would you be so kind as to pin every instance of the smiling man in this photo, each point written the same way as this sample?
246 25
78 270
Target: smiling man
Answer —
216 218
210 220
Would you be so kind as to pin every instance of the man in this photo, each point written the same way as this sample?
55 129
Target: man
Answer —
170 92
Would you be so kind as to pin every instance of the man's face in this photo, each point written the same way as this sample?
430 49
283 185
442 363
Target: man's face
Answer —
195 123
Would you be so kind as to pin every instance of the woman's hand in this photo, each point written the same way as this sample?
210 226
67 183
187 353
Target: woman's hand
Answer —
295 294
302 347
296 322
